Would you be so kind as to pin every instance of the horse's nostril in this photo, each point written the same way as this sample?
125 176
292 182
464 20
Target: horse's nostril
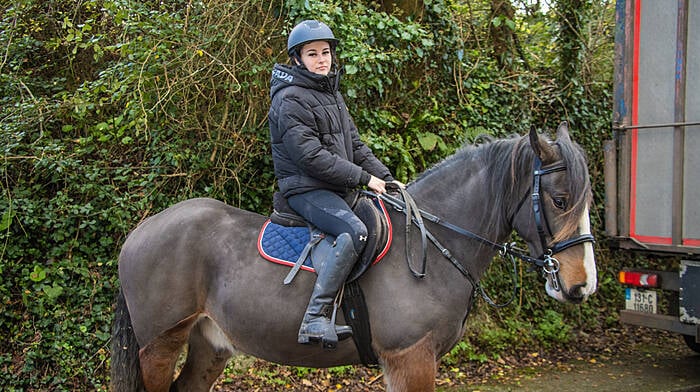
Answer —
576 292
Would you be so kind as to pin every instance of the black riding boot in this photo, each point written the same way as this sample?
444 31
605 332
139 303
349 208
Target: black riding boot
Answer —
317 325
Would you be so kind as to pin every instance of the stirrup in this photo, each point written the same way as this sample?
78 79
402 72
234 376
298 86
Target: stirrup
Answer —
331 337
332 333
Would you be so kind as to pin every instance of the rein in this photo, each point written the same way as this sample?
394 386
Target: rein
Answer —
548 264
417 215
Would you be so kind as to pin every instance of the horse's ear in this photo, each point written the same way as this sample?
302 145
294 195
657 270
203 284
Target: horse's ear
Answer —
535 141
563 132
541 146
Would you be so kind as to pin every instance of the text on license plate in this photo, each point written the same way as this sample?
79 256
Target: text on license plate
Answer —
640 301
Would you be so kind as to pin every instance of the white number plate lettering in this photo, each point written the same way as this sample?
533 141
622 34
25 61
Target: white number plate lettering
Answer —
640 301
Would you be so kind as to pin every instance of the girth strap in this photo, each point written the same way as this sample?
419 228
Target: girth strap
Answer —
357 317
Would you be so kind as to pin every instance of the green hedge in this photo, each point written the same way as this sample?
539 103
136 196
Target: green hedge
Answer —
113 110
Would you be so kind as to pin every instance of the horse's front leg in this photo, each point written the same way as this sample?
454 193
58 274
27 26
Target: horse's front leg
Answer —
411 369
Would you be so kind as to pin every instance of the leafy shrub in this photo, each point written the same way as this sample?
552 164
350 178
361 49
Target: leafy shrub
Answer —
113 110
551 329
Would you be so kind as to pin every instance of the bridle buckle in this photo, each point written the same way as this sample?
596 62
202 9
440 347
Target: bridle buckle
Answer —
551 267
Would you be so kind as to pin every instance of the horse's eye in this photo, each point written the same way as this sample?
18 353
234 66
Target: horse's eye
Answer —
559 202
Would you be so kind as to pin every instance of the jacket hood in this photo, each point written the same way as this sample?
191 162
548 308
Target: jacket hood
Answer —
284 75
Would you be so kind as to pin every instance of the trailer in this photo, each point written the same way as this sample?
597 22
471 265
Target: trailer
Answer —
652 164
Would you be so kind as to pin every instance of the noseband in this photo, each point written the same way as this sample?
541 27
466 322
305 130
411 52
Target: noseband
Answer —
548 264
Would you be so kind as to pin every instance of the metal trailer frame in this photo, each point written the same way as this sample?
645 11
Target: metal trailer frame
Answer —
620 208
639 80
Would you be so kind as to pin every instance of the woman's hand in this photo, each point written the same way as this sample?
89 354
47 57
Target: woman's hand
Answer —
376 185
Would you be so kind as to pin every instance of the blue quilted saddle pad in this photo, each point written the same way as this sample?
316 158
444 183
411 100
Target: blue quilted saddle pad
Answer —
283 245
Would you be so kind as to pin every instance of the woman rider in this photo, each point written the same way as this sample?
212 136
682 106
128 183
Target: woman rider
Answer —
318 160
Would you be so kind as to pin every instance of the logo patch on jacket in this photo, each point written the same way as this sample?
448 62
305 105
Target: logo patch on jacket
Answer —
277 74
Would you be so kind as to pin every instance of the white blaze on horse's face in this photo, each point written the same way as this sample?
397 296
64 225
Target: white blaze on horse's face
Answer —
573 269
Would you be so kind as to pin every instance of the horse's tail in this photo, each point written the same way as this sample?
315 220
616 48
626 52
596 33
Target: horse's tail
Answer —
126 369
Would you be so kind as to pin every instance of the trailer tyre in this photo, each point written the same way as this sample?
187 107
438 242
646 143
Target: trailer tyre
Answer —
691 343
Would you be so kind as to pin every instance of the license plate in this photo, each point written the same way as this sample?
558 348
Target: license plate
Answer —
640 301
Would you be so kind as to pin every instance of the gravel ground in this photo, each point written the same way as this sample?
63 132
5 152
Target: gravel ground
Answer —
621 359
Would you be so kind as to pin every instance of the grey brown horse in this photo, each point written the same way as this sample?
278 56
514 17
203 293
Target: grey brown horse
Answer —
191 274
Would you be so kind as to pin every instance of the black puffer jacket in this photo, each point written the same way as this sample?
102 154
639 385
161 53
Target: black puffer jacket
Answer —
315 144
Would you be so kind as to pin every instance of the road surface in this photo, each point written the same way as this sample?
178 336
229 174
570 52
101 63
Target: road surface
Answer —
653 367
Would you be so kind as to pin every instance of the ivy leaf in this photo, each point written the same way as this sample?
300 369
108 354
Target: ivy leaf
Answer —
53 291
6 219
38 274
428 140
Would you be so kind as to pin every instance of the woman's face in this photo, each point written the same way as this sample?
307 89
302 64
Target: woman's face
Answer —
317 57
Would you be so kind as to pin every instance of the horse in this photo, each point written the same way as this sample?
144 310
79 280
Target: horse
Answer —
192 275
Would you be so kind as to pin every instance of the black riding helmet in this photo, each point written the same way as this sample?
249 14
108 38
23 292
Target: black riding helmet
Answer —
309 31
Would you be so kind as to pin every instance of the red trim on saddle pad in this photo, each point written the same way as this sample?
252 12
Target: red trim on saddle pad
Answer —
274 259
378 203
389 227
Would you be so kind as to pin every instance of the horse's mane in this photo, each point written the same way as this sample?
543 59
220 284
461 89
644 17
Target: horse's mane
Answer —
510 159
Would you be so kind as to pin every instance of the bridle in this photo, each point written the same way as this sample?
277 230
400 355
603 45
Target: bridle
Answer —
548 264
